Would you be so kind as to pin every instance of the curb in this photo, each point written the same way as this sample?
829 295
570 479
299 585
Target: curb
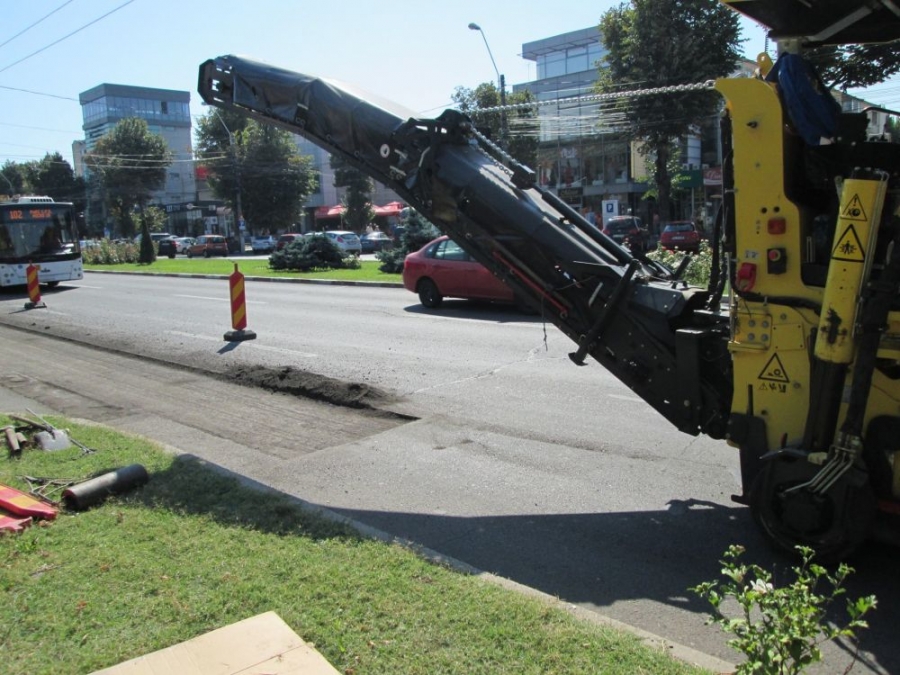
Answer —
277 280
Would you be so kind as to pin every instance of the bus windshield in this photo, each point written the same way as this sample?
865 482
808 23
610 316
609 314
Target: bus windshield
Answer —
37 232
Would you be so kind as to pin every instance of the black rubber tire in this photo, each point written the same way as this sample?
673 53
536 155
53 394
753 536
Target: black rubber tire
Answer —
206 253
845 512
429 295
53 284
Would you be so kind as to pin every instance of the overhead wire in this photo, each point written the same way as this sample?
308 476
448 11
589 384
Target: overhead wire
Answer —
28 28
66 37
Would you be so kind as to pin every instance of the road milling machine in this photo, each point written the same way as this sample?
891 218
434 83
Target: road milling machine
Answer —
791 355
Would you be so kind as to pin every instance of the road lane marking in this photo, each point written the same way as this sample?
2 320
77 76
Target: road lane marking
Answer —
626 398
250 345
206 297
71 285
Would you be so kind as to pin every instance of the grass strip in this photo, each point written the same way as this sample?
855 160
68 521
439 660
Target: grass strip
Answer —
367 272
194 550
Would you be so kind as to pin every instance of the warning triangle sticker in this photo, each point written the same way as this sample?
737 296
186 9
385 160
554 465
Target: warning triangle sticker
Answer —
848 247
774 371
855 210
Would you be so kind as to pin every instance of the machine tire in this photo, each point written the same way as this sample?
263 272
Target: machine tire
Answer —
429 295
52 284
206 253
833 525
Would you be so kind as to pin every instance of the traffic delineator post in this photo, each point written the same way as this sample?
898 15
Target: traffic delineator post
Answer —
34 287
240 331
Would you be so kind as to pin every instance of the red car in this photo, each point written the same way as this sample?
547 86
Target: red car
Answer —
442 269
286 239
682 235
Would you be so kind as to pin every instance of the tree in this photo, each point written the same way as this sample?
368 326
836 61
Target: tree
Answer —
260 163
129 163
849 66
13 181
522 123
661 43
53 176
358 211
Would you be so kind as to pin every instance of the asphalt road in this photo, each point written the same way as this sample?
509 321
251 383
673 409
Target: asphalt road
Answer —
498 452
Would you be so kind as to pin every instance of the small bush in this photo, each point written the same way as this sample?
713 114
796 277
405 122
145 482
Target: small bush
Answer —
110 253
312 253
779 629
698 270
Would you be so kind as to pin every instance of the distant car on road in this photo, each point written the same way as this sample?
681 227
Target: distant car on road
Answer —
375 241
682 235
167 247
208 245
628 231
345 240
286 239
154 237
442 269
182 244
264 244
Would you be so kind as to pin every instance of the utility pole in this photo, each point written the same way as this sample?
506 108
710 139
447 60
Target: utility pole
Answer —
236 167
501 81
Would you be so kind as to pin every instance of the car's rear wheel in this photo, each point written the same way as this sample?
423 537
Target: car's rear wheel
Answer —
429 295
206 253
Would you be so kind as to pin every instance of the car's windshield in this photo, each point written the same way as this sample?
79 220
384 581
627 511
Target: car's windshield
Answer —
679 227
619 226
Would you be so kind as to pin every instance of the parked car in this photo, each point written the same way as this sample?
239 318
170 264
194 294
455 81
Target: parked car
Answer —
286 239
628 231
442 269
346 241
154 237
265 244
208 245
167 247
682 235
375 241
182 244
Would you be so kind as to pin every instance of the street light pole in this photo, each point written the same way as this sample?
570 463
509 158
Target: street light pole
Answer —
501 80
237 173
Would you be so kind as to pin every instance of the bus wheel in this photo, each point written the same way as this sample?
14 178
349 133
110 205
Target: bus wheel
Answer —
53 284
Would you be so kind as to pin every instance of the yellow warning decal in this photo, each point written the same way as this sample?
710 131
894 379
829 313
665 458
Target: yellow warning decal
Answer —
774 371
848 247
855 210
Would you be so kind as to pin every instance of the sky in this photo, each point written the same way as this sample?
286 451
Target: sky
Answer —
413 53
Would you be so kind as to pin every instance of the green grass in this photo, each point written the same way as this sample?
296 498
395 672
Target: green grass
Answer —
194 550
368 271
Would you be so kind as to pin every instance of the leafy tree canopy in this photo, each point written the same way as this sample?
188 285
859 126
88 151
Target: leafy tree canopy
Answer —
358 199
129 163
522 123
259 160
850 66
661 43
53 176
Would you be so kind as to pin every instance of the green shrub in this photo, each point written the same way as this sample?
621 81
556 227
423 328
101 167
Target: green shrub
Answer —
779 629
312 253
698 270
417 231
110 253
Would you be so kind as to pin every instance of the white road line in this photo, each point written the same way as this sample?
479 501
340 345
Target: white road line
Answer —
205 297
71 285
248 344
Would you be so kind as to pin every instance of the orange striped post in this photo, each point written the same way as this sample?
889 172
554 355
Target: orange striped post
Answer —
34 287
238 309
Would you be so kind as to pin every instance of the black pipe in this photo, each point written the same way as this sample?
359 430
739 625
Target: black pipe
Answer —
95 490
